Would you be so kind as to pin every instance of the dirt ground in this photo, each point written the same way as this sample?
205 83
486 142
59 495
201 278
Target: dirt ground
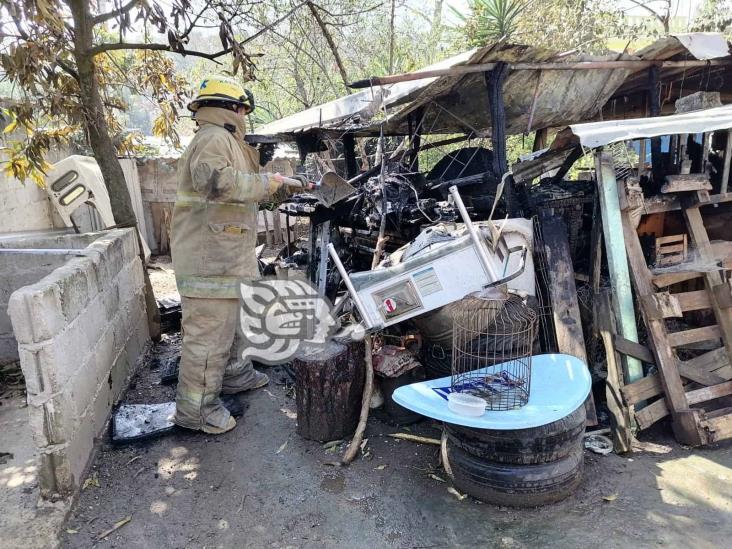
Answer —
263 486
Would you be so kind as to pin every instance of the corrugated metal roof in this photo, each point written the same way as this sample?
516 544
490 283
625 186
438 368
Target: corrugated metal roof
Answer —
598 134
459 104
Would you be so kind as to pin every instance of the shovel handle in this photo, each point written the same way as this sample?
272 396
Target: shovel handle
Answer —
290 182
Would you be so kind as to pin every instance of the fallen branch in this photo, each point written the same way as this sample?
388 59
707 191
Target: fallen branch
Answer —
415 438
355 444
117 525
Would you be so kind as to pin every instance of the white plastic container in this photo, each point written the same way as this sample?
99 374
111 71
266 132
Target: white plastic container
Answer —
466 405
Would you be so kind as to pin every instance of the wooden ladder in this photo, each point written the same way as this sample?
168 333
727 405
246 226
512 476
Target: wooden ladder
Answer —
706 377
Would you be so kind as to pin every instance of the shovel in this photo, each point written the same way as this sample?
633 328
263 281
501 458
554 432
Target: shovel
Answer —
330 189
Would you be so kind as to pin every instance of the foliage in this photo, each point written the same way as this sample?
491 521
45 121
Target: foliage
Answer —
491 20
714 16
42 54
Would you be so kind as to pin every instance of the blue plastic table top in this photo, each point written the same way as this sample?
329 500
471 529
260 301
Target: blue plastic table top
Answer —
559 385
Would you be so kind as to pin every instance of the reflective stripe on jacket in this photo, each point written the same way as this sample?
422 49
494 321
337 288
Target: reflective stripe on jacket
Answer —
214 229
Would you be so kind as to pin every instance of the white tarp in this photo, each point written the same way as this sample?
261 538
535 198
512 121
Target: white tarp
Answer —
597 134
704 45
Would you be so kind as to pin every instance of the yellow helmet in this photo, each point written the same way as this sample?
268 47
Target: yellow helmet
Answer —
222 88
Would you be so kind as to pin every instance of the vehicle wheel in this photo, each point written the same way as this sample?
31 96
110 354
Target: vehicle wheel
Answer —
542 444
515 485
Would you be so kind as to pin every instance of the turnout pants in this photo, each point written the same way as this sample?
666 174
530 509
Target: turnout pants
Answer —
210 361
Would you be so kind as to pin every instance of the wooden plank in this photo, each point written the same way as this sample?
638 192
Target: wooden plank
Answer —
667 279
631 348
563 296
662 305
658 410
650 386
620 414
720 428
643 389
712 279
695 335
615 246
693 301
669 203
686 183
711 361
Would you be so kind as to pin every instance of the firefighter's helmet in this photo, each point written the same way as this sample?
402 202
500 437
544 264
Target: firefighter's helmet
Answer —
222 88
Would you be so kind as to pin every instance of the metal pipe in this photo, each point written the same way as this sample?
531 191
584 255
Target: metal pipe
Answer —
477 239
349 285
43 251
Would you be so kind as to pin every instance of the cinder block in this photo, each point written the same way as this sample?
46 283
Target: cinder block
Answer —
129 244
73 288
87 265
36 312
87 328
102 404
35 381
84 385
105 351
57 359
53 420
121 370
54 476
110 296
113 255
80 446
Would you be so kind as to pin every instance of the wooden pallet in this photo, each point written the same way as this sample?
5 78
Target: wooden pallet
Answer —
683 383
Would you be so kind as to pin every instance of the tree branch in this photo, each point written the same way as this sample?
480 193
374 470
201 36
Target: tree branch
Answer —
68 69
653 12
104 17
102 48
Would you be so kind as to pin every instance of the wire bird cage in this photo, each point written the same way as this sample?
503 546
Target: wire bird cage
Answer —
492 344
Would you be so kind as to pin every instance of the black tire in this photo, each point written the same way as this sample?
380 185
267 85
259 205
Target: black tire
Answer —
536 445
516 485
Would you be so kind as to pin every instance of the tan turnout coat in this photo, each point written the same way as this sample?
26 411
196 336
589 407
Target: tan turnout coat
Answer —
214 230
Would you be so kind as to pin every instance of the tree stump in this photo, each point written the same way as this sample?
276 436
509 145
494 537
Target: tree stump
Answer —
329 385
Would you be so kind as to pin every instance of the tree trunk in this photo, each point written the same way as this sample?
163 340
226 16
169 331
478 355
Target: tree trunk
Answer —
102 146
329 385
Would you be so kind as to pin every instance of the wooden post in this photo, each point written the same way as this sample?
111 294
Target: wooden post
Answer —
727 162
654 107
607 188
620 413
349 153
563 296
277 225
267 234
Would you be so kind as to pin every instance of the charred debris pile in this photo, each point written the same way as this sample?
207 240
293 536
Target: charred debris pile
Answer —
625 224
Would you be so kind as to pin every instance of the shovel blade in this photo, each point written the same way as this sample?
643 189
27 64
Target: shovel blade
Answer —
332 188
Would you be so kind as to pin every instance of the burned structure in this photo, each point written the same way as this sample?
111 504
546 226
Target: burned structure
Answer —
429 158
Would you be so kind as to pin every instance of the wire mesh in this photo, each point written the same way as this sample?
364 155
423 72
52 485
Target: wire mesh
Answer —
492 344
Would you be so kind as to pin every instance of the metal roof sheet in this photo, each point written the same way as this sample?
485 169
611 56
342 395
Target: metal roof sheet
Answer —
598 134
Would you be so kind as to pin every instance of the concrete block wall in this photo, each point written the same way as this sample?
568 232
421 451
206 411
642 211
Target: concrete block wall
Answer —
21 269
80 332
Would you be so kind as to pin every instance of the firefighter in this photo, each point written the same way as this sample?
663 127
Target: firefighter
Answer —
214 235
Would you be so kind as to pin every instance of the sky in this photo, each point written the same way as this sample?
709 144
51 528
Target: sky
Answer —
680 7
